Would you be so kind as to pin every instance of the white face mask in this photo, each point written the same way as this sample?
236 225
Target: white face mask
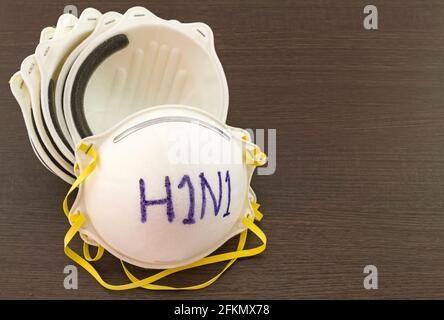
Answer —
142 61
50 57
160 188
21 92
168 187
32 76
21 95
90 72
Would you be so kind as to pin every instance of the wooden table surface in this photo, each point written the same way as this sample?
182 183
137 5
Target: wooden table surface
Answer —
360 151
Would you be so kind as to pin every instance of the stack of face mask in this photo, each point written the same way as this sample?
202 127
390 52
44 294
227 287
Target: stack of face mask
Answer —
131 110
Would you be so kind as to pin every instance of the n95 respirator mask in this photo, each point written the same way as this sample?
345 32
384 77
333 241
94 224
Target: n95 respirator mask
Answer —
130 109
165 188
91 72
142 61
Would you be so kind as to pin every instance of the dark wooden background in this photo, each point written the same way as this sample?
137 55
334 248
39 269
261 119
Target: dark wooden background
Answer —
360 158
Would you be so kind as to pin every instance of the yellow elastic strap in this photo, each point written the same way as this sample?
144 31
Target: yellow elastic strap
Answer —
78 220
87 255
87 149
76 168
255 157
88 170
242 240
257 214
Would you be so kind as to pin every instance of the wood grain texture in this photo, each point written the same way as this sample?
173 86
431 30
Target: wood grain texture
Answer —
360 151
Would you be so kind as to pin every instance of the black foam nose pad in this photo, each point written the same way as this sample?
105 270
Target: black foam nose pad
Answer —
87 68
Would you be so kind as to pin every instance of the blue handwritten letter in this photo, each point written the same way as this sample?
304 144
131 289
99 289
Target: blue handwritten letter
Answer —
186 180
168 201
206 186
228 181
